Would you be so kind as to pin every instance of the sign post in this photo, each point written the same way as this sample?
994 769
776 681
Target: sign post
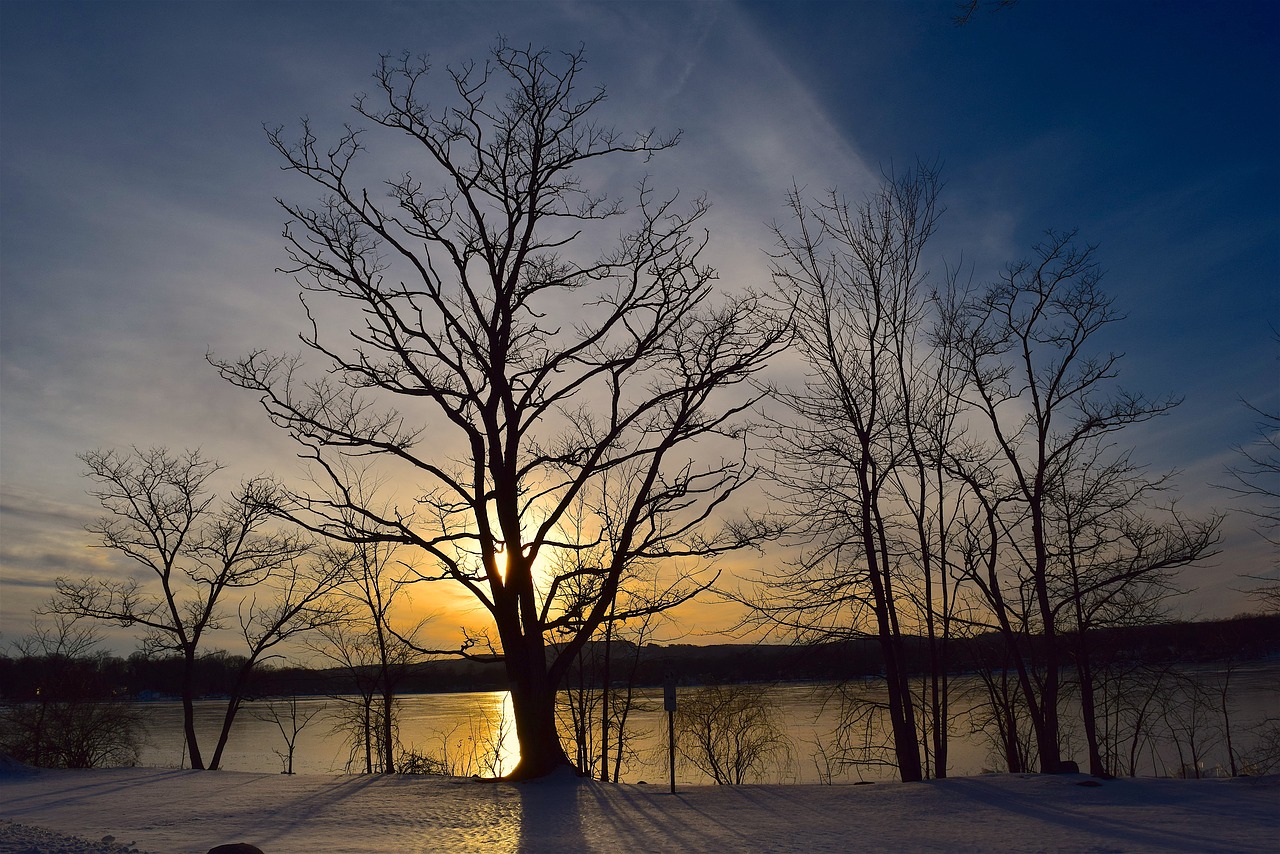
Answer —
669 703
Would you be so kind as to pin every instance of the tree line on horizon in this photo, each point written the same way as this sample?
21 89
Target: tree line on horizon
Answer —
532 390
30 670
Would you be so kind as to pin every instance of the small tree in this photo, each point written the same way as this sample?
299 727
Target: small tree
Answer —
290 720
731 733
368 647
1113 561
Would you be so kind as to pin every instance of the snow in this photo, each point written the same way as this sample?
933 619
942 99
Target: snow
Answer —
174 812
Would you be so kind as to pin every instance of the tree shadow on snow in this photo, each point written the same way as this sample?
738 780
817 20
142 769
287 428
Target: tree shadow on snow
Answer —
550 815
1082 810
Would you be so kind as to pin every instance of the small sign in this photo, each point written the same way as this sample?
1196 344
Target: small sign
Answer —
669 695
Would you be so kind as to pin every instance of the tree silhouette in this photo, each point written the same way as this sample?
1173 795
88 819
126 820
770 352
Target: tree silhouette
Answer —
535 369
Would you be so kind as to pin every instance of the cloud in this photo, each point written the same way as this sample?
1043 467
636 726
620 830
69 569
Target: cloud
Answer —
141 229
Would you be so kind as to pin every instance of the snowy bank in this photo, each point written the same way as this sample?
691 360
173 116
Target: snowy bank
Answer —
175 812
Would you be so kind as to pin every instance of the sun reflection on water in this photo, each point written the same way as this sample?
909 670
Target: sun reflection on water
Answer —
502 722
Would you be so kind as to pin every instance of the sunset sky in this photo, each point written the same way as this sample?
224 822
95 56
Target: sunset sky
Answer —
139 231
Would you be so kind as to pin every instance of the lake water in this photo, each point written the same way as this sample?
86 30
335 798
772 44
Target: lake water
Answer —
466 723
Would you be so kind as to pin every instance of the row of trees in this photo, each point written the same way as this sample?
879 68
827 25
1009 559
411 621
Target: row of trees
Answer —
950 464
558 431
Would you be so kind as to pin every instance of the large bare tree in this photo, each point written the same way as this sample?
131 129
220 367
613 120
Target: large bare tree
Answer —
509 351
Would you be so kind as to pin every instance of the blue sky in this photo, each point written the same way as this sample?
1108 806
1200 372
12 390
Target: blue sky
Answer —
138 229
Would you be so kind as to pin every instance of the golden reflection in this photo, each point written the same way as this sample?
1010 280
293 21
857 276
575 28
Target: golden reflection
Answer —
503 743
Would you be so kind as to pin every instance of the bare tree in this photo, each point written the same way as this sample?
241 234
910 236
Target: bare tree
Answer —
601 693
290 602
731 733
1255 481
966 9
531 370
1257 476
1113 560
291 721
162 515
860 464
1023 344
367 644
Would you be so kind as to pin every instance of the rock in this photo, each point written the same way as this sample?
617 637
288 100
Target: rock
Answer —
236 848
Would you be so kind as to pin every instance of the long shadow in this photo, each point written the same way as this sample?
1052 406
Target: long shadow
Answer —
80 788
656 820
289 815
550 815
1086 818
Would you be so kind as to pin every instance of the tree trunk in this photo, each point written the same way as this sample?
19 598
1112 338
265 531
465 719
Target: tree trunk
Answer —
233 708
228 718
367 720
189 710
604 701
388 744
1047 730
533 704
1012 752
906 746
1088 710
1046 723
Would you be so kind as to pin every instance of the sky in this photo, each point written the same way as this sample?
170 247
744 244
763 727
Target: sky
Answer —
139 230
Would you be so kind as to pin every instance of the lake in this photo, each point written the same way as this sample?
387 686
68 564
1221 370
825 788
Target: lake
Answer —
465 723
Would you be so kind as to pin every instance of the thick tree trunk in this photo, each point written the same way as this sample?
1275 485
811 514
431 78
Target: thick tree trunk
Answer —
534 709
905 745
533 704
228 718
1047 731
233 708
388 731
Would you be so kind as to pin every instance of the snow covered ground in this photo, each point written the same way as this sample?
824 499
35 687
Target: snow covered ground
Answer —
174 812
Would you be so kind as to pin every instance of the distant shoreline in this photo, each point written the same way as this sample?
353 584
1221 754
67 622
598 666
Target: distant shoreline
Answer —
1241 639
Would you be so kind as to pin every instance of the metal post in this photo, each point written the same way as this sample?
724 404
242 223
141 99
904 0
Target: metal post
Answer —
669 703
671 743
